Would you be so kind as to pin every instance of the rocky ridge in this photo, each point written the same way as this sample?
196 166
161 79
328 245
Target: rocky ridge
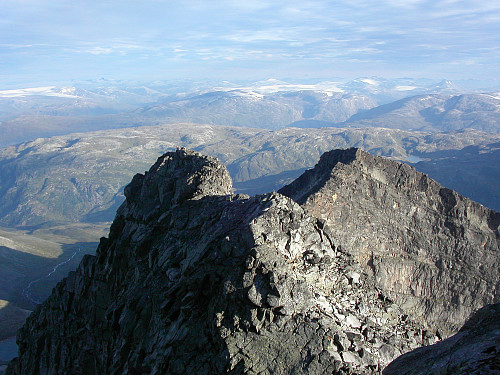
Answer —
195 279
431 250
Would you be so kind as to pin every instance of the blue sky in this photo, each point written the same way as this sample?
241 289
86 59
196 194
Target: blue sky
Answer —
45 41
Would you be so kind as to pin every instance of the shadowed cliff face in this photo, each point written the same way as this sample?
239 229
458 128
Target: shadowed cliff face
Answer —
475 349
432 251
195 280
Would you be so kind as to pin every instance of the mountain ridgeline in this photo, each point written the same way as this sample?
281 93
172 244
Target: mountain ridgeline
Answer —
26 114
80 177
195 279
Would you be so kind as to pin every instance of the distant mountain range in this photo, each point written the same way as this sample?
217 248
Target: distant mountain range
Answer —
435 113
26 114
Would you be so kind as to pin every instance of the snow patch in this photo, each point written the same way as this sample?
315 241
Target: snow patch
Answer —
248 94
7 242
65 92
273 86
369 81
404 88
494 96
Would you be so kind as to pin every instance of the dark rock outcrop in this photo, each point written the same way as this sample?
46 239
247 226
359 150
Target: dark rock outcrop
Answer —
195 280
474 350
432 251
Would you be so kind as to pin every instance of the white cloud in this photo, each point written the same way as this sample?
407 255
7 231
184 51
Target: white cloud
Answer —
259 35
99 51
16 46
405 4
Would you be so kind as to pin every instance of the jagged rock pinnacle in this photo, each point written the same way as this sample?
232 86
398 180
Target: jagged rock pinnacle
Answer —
174 178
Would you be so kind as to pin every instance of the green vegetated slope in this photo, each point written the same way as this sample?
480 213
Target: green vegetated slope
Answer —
474 171
11 319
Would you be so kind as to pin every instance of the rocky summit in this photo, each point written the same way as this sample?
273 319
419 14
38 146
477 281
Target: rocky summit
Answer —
196 280
432 251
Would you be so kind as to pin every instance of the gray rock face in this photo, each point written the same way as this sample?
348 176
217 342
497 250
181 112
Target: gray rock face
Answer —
194 280
173 179
433 252
473 350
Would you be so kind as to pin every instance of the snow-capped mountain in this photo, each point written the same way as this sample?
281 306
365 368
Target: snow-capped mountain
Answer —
28 113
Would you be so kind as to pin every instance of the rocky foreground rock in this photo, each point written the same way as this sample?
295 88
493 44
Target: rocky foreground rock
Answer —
196 280
432 251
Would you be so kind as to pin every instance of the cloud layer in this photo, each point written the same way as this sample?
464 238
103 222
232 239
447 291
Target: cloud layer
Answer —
56 39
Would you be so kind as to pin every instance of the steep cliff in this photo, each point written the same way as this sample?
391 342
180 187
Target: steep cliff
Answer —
474 350
196 280
430 250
